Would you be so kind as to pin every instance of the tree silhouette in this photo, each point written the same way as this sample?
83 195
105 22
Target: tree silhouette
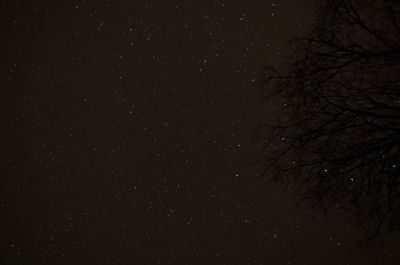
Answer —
338 129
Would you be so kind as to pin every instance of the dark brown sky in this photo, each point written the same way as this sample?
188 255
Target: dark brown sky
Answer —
125 137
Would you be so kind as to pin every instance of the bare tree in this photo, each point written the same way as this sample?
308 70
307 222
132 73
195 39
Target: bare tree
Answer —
338 130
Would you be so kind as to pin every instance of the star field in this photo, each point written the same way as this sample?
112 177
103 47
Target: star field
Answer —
126 137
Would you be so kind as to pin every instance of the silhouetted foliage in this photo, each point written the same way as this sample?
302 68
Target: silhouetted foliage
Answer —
338 132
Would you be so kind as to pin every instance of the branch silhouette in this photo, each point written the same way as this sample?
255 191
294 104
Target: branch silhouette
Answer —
338 130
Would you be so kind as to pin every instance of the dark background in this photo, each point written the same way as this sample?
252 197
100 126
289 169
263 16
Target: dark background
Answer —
125 137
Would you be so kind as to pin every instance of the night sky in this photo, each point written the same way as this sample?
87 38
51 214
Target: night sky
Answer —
126 137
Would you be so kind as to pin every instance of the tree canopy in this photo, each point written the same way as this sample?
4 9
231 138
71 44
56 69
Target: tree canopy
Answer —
338 128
